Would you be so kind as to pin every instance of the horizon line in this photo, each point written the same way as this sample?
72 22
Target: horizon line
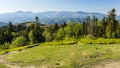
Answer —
52 11
57 11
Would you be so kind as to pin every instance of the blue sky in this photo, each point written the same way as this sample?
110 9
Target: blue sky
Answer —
102 6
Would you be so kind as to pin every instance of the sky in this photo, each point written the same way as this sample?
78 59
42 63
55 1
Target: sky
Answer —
101 6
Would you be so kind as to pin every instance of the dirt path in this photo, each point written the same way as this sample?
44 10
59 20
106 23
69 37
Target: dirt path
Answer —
108 64
2 61
11 65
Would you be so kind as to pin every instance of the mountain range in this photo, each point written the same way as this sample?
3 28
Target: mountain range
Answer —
3 24
49 17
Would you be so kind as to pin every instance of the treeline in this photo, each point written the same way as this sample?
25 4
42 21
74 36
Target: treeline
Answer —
34 32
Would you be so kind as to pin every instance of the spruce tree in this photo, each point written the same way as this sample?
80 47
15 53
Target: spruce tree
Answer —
112 22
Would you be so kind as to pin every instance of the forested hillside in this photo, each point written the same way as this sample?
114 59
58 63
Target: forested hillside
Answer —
34 32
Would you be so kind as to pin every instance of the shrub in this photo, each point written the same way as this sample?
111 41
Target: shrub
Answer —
99 41
90 36
6 45
32 37
59 43
60 34
1 47
19 41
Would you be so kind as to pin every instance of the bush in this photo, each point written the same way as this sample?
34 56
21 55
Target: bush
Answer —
32 37
59 43
99 41
90 36
6 45
19 41
60 34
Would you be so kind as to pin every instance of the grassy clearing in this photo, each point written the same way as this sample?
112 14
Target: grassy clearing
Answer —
72 56
54 43
65 42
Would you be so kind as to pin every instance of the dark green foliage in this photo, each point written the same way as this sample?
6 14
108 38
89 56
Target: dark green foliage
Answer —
87 24
37 19
8 34
83 29
118 31
38 31
104 24
5 46
95 20
112 23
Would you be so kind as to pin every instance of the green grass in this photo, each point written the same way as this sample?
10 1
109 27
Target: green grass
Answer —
3 66
70 56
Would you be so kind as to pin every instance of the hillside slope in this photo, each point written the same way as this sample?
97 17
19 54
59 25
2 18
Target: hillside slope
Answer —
65 56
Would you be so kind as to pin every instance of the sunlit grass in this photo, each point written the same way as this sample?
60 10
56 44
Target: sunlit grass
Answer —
70 56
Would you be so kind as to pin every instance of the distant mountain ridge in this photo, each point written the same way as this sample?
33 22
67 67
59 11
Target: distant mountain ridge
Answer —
49 17
3 24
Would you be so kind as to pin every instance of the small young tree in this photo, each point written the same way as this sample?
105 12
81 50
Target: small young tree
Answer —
32 38
19 41
60 34
47 35
78 30
69 30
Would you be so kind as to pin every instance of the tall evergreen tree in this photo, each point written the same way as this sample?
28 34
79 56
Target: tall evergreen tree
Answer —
38 32
55 27
37 19
95 20
87 24
88 20
104 24
8 33
112 22
83 29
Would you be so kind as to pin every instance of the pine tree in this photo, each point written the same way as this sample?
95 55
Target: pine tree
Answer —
8 33
37 19
95 20
83 30
104 24
38 33
112 22
87 24
55 27
88 20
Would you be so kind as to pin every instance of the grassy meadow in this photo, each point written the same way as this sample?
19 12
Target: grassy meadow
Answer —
65 55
